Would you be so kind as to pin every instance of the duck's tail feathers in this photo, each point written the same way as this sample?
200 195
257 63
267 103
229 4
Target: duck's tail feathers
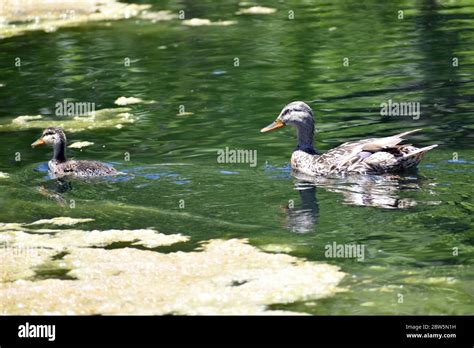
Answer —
377 144
412 159
401 135
420 152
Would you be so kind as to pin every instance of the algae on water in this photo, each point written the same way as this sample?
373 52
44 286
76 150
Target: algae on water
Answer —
61 220
19 263
80 144
197 22
18 17
221 277
104 118
258 10
132 100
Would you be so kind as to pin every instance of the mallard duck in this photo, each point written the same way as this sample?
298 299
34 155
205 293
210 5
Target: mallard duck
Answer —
367 156
60 166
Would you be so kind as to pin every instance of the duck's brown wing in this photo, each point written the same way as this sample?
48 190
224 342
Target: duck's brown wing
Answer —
376 155
344 158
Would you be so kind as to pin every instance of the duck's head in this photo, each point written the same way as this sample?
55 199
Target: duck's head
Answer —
299 115
52 136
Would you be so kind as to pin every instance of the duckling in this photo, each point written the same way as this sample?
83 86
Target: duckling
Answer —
366 156
60 166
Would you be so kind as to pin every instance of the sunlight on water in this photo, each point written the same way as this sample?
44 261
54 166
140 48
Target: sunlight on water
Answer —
169 95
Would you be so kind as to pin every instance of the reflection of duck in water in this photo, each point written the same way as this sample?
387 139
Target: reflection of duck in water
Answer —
60 166
56 193
380 191
367 156
302 218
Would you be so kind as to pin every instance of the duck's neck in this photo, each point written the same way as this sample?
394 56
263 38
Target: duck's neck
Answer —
305 137
59 154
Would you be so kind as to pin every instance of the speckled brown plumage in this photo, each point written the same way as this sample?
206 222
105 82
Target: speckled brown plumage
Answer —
367 156
60 166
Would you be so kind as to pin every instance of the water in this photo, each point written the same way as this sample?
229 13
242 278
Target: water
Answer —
410 225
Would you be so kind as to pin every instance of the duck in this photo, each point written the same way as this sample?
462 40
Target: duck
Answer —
366 156
60 166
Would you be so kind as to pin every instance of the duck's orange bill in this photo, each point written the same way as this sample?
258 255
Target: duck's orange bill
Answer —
275 125
38 142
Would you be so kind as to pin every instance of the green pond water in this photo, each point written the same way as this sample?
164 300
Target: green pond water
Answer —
410 225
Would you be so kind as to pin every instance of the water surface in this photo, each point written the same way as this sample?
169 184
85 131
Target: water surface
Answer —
410 225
